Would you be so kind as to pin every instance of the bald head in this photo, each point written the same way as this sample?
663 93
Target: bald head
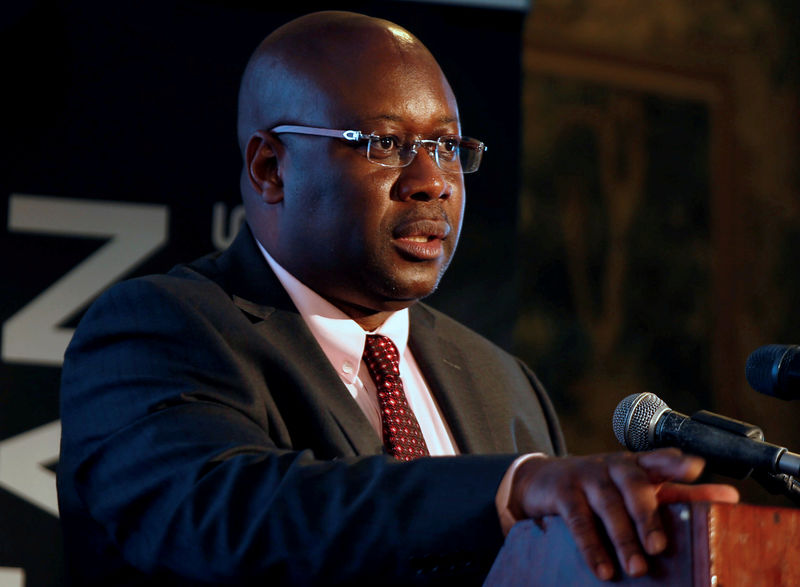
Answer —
300 74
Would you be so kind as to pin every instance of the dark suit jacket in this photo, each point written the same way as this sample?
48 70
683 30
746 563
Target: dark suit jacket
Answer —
206 439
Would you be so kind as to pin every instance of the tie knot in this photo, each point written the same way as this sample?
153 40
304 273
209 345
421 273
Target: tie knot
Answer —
381 356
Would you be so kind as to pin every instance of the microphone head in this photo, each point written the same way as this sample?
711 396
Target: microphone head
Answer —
773 370
635 418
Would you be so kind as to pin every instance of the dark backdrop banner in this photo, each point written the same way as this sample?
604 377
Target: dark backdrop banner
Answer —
120 158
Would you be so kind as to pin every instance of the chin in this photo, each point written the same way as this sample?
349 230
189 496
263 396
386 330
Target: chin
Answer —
402 284
406 294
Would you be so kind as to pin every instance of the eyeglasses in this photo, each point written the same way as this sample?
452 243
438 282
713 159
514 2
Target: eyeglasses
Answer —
452 153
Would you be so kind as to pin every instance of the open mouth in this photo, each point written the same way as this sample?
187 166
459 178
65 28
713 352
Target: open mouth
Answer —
422 239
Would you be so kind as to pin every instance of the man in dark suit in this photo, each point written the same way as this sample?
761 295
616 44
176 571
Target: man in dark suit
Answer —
219 425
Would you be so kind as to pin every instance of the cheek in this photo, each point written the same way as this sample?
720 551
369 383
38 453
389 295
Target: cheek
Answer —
456 205
353 215
364 201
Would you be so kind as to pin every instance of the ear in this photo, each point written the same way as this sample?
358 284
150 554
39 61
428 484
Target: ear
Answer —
261 159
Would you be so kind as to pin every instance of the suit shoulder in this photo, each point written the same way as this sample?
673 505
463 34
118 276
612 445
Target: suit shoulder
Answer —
182 294
185 279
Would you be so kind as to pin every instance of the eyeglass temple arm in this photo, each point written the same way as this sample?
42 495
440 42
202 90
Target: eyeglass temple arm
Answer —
350 135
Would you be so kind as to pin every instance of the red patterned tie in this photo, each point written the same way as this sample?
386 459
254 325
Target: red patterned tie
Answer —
401 433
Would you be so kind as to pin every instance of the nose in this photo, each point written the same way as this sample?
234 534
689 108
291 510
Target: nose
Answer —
422 179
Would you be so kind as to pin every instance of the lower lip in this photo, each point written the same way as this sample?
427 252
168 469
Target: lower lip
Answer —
426 251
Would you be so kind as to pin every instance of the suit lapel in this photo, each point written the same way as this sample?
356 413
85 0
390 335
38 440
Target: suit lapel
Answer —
325 389
465 401
243 272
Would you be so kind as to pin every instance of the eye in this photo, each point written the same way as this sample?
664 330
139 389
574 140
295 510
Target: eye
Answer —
383 146
448 148
448 144
387 142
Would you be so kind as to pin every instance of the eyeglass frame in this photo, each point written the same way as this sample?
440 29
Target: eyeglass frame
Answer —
355 136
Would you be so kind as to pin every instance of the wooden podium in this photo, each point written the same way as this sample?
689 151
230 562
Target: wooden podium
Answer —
711 544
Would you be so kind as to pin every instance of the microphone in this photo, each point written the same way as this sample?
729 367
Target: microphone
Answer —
774 370
644 421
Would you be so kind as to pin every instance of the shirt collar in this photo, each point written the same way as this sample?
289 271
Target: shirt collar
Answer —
340 337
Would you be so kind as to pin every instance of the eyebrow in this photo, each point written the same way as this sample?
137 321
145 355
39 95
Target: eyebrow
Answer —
394 118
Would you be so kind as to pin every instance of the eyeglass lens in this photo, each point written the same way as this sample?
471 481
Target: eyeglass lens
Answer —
451 153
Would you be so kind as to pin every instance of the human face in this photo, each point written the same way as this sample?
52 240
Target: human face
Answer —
371 238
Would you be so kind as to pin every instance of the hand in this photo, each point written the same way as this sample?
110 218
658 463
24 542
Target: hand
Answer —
622 491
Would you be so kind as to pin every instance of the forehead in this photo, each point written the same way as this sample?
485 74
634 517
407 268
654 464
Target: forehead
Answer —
381 77
404 95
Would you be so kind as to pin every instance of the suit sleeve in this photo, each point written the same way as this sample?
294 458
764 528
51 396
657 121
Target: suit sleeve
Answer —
170 455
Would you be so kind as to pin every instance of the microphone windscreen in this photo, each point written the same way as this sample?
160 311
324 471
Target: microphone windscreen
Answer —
633 419
764 367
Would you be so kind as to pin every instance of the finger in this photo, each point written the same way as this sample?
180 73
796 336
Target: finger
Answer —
675 492
670 464
579 520
640 497
609 505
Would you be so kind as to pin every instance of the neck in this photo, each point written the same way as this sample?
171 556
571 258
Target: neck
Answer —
368 321
368 318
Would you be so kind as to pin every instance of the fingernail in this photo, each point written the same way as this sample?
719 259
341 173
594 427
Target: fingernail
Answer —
604 571
656 542
636 565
